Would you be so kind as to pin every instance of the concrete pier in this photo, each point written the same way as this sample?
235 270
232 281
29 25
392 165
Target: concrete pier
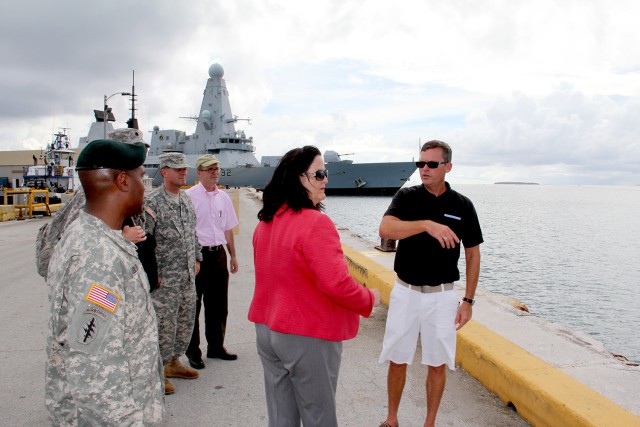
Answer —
232 394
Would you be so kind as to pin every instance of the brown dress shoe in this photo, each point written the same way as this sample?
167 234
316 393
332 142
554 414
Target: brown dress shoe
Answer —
175 369
168 387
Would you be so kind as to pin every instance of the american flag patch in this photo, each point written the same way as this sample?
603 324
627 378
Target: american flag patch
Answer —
103 297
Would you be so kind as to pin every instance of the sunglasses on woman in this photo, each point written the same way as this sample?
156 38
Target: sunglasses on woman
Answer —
319 175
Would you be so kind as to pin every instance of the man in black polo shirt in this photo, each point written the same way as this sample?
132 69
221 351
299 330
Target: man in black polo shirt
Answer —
431 222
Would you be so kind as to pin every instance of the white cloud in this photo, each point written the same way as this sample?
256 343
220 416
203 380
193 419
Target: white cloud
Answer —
528 90
562 137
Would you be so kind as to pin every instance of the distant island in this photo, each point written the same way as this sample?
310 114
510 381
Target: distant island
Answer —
517 183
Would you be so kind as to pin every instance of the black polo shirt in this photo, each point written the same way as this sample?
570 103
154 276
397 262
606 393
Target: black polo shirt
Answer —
420 260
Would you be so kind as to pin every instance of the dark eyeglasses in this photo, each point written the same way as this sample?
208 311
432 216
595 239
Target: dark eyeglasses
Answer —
432 165
210 170
319 175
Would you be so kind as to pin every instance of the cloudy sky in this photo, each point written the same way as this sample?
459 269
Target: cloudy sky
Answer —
540 90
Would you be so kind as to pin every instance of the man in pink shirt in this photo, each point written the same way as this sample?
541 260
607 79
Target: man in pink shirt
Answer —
215 220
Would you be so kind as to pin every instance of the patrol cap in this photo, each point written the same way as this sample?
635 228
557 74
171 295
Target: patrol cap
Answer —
127 135
206 160
173 161
109 154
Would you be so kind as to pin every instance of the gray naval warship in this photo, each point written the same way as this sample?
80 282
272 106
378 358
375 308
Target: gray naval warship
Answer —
216 134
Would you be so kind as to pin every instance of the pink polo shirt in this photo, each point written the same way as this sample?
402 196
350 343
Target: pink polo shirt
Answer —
214 215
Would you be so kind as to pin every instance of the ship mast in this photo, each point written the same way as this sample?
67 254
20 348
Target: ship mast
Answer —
132 123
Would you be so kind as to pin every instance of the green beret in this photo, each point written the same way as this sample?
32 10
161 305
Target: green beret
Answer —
107 154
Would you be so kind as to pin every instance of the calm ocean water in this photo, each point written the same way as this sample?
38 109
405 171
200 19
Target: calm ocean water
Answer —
570 253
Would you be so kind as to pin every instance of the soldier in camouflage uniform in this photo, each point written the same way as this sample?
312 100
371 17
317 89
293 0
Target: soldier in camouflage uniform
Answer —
171 219
103 361
51 232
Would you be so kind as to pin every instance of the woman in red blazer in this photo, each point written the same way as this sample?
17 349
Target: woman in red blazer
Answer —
305 301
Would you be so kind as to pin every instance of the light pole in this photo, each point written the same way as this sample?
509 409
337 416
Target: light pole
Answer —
105 118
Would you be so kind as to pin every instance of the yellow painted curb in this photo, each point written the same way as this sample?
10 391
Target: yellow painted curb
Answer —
236 206
369 273
541 393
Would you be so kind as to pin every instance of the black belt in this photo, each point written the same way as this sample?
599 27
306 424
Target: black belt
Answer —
211 248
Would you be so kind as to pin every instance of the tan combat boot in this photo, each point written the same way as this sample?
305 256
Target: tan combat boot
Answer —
175 369
168 387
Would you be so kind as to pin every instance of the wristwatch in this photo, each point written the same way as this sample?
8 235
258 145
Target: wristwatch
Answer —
469 300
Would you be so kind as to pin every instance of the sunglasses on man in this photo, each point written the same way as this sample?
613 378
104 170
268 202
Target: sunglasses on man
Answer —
432 165
319 175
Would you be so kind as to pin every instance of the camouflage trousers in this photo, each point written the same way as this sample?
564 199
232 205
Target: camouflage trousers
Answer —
176 311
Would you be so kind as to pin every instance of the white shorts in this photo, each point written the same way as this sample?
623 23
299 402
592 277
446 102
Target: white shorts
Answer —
432 315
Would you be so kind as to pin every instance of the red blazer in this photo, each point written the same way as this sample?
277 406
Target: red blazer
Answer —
303 286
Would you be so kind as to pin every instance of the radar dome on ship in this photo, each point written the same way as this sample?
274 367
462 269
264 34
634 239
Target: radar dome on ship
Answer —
206 114
216 70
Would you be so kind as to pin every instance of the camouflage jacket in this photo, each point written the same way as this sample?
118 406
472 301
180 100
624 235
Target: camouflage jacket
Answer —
174 227
103 361
51 232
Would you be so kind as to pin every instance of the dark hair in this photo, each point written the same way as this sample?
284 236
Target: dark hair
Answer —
447 153
285 186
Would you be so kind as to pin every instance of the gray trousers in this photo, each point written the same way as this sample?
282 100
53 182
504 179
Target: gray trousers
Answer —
300 378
